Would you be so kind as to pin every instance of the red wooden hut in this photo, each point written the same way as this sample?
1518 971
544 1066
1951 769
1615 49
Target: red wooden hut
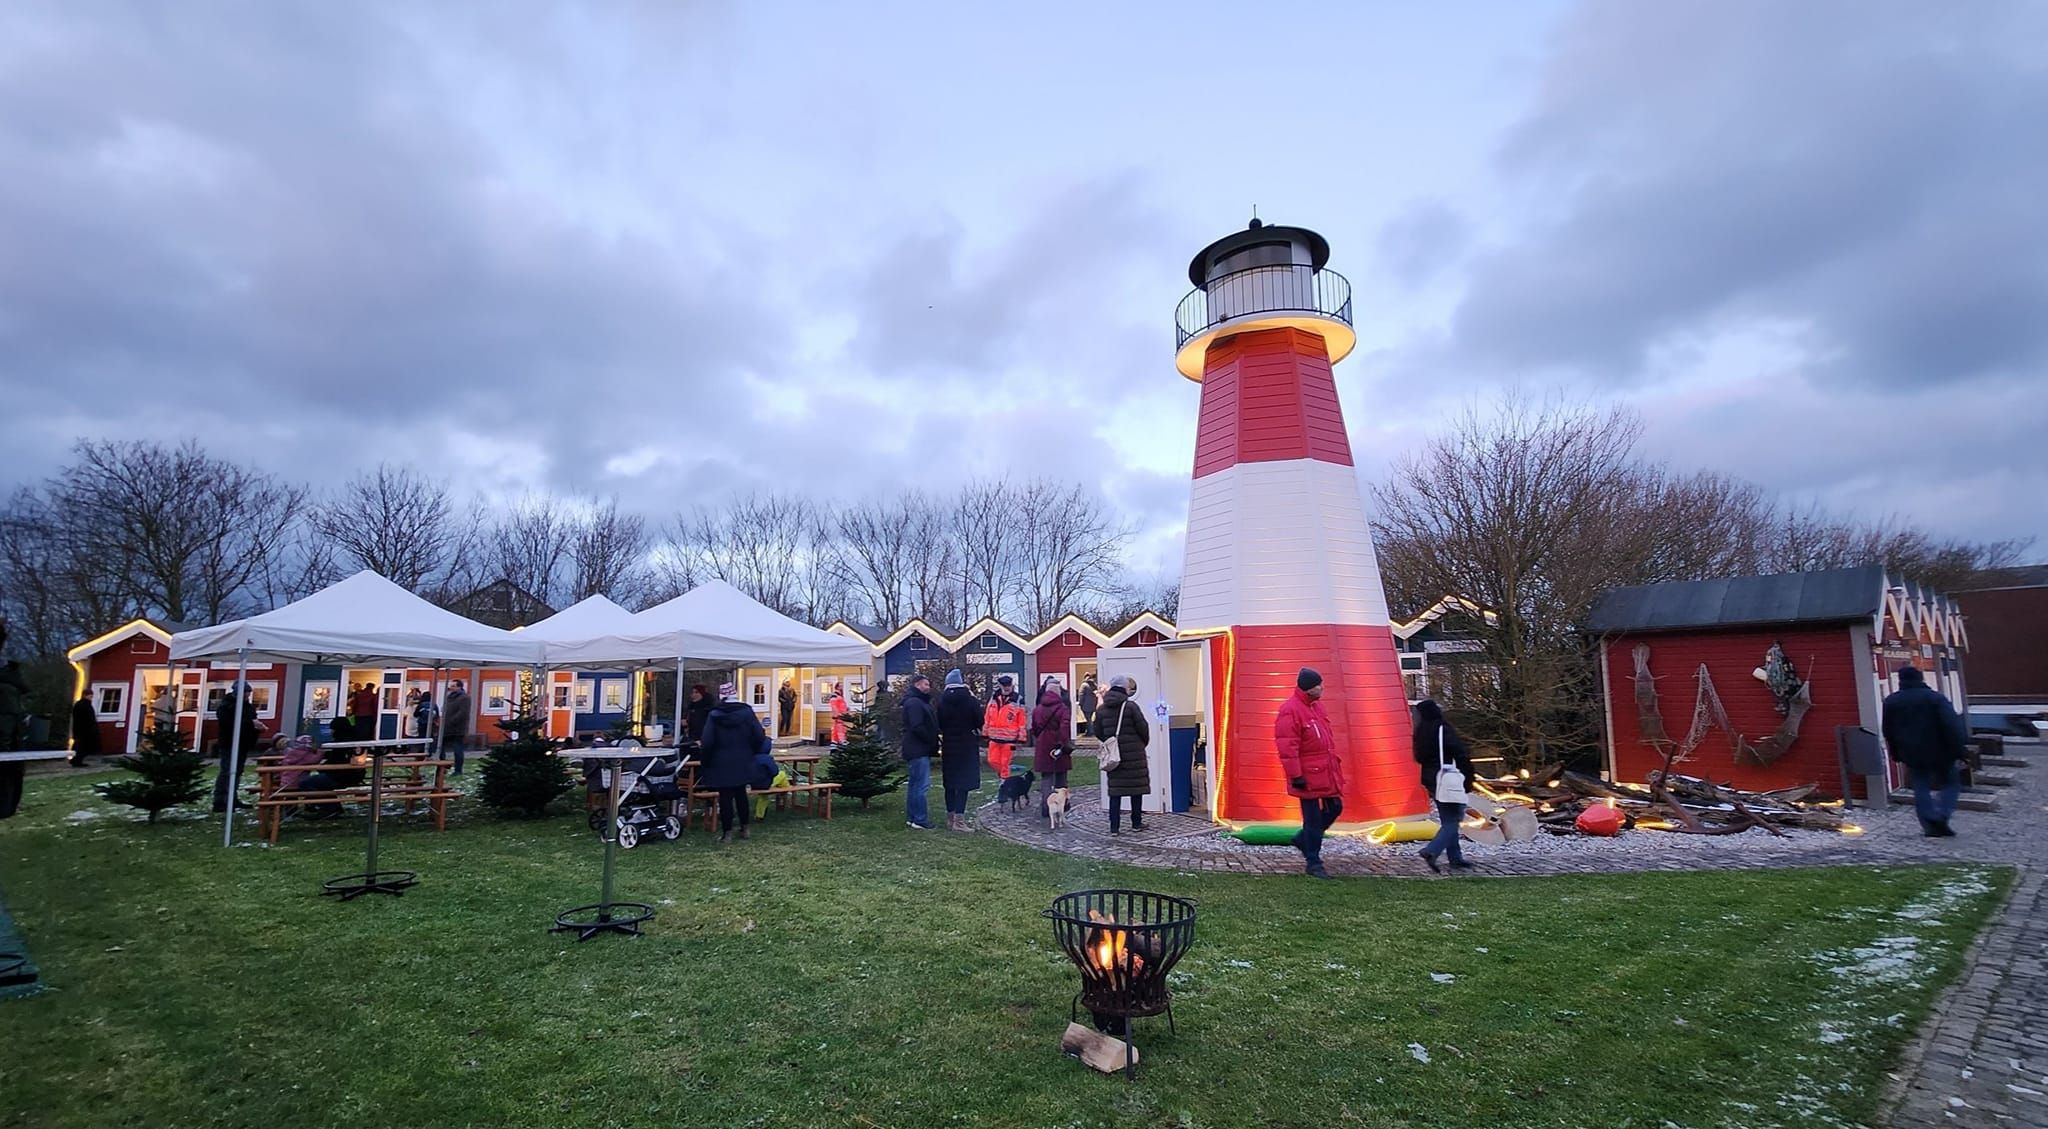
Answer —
1788 657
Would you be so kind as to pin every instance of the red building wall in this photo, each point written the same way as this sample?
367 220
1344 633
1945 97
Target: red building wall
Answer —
1055 656
2008 629
118 663
1824 657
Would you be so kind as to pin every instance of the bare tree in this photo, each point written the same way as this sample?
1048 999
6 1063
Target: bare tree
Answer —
933 590
531 548
773 547
877 540
609 550
1524 511
55 589
188 535
1070 548
400 525
982 528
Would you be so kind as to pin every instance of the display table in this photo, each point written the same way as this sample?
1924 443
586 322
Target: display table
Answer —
13 767
348 887
606 915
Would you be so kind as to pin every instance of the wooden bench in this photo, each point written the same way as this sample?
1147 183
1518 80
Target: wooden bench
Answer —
810 792
272 800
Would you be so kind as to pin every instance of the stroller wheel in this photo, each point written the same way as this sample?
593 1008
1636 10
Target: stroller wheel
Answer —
597 821
628 838
671 829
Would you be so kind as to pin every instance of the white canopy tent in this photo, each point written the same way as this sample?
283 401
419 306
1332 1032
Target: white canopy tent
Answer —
594 617
713 623
364 619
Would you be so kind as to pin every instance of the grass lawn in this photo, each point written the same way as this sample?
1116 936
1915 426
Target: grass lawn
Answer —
857 973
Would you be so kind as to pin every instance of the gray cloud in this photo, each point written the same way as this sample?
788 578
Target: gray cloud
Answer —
1866 171
1422 242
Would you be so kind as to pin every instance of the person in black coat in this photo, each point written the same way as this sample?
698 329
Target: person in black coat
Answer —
237 709
1923 732
1437 744
920 726
732 739
85 730
960 720
699 710
1122 720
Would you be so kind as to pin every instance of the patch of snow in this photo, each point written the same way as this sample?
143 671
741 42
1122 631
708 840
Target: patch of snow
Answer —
1442 977
1238 963
81 816
1481 949
1418 1052
1831 1034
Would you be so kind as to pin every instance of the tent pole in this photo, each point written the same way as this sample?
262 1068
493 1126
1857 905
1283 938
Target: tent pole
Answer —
434 711
241 695
679 701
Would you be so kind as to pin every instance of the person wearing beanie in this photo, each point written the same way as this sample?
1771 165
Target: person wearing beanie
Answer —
960 721
1923 732
1005 724
1308 758
732 739
1123 721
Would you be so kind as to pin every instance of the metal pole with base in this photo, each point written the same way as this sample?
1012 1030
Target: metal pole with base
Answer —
609 916
372 881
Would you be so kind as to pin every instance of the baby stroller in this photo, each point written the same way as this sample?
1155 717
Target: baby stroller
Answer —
650 797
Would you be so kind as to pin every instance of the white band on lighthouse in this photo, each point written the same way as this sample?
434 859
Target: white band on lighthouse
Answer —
1282 542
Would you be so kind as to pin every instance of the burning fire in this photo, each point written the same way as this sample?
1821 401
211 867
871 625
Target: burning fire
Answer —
1109 949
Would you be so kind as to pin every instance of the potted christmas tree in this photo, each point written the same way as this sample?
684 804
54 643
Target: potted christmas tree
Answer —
523 775
864 766
171 774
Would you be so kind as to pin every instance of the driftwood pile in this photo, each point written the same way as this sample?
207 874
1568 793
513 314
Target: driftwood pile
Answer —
1683 804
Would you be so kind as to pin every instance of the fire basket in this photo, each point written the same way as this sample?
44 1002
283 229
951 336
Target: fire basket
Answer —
1124 942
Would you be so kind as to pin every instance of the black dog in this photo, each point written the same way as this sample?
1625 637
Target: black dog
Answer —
1015 790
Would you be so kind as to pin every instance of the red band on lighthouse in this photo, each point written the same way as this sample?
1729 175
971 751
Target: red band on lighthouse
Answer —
1269 395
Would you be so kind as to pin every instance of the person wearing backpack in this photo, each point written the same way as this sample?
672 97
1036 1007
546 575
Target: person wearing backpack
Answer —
1447 774
733 742
1308 756
1121 727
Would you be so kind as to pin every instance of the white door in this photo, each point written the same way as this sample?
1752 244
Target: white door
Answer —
1142 664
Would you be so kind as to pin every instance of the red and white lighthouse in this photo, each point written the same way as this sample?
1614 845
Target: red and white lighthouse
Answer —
1280 571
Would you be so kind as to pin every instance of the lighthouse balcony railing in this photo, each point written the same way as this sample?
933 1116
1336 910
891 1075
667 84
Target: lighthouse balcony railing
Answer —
1295 289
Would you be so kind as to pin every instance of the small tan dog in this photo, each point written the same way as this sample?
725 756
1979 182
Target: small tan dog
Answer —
1056 806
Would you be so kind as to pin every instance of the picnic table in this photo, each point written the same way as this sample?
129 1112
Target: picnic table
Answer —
803 766
606 915
373 881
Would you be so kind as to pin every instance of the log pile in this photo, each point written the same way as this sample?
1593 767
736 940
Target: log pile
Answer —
1681 804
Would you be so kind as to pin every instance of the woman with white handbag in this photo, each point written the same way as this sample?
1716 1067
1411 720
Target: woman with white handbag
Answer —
1447 773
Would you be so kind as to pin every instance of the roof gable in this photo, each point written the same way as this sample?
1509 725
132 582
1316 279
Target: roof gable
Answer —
126 631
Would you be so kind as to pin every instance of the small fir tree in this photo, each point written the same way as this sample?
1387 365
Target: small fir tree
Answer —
865 766
523 775
171 773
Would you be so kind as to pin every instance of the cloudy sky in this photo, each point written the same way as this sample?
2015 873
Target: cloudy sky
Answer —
676 249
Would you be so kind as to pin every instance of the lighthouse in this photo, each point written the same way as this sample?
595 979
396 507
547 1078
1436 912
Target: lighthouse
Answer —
1280 571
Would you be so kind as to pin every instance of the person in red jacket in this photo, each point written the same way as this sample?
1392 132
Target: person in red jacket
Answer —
1315 776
